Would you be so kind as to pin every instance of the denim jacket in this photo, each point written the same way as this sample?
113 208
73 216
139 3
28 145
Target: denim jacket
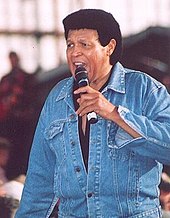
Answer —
123 172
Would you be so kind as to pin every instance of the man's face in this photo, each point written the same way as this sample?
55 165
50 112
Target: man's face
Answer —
84 48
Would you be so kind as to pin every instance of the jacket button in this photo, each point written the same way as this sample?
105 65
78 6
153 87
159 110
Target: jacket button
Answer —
77 169
73 143
90 195
72 116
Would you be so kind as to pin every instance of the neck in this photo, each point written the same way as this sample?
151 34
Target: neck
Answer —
99 82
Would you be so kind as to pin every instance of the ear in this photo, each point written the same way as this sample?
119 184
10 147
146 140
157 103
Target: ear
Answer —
111 46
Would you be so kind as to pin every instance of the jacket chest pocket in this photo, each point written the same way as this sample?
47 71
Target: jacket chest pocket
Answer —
54 134
116 139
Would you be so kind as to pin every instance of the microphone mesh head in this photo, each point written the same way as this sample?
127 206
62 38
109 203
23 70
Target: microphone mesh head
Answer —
81 74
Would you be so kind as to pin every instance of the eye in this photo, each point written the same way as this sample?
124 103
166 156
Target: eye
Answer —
70 45
85 44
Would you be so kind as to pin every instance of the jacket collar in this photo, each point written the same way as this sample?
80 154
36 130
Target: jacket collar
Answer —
67 89
117 79
116 83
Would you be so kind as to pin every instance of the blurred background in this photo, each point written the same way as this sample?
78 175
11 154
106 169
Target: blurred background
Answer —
33 28
32 60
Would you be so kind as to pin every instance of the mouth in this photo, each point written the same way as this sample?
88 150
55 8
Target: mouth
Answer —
78 64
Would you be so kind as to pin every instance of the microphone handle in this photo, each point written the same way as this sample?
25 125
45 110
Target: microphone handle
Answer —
92 116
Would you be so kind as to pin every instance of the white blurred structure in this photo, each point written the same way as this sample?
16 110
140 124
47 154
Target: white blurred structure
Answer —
33 28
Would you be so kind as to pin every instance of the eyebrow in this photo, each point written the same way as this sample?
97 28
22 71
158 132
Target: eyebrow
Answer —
83 39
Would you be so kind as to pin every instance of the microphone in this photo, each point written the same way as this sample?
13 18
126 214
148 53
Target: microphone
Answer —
82 80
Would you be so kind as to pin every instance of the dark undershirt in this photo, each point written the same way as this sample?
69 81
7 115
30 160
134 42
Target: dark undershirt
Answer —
84 138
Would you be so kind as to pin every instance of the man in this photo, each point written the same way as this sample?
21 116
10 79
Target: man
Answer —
14 90
16 113
111 168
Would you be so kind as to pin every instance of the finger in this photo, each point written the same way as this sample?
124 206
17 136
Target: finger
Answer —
85 89
86 106
85 110
87 98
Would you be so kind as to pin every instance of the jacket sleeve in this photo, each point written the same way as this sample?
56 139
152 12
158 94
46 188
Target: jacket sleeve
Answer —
38 193
153 126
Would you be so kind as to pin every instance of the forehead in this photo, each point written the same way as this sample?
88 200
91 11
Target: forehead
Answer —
83 33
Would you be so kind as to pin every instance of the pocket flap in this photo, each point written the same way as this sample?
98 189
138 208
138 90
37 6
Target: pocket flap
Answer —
55 128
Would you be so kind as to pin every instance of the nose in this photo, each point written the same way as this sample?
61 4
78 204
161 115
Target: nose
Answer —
76 51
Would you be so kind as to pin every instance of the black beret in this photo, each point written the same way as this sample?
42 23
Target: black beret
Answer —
96 19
